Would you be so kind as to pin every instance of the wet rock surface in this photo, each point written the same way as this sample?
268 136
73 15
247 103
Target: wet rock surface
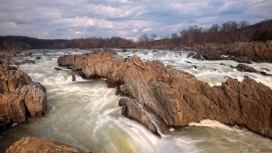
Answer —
20 97
162 97
245 68
28 144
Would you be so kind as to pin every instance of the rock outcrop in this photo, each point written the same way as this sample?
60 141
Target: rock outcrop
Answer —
28 144
161 97
20 97
244 52
245 68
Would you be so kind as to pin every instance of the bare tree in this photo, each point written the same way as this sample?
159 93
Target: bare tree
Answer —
8 50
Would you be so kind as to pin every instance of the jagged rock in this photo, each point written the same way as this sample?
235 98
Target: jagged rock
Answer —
98 67
166 97
35 145
20 96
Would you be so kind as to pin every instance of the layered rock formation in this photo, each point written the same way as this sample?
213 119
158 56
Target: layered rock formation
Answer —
27 144
20 97
161 97
239 51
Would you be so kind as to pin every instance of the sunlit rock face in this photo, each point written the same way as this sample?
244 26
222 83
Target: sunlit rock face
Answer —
20 97
161 97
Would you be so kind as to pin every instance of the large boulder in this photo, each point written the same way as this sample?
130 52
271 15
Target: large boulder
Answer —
28 144
162 97
20 96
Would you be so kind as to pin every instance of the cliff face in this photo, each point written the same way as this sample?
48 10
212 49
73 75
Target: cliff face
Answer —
161 97
20 97
239 51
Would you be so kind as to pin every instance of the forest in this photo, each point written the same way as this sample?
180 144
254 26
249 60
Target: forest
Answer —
228 32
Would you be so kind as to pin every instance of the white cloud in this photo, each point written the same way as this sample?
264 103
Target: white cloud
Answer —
12 24
127 18
123 1
77 32
147 29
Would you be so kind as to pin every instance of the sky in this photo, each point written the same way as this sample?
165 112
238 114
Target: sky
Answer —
67 19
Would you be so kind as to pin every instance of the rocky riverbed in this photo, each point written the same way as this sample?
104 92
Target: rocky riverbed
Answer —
159 97
162 97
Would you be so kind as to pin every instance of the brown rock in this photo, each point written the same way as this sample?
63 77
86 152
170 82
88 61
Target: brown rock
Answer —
19 95
35 145
35 99
160 97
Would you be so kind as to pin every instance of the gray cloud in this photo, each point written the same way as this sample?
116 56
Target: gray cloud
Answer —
125 18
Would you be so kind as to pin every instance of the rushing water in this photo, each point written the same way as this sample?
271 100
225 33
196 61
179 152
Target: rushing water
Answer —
85 113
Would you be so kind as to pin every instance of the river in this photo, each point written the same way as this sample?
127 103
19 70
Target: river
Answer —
85 113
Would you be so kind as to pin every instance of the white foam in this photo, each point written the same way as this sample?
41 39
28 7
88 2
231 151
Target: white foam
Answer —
211 123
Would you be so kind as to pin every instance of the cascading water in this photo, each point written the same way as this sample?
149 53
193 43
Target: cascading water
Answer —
85 113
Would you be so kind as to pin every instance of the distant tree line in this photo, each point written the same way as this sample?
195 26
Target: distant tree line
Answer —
33 43
227 32
94 42
83 43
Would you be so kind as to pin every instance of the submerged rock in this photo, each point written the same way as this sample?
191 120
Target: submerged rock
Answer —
245 68
162 97
57 68
28 144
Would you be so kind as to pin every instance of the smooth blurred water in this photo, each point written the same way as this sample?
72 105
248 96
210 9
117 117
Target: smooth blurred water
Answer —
85 113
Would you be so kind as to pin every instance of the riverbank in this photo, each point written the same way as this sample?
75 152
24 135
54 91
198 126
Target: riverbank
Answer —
244 52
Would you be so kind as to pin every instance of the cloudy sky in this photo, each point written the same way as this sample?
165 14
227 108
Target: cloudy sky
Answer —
67 19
